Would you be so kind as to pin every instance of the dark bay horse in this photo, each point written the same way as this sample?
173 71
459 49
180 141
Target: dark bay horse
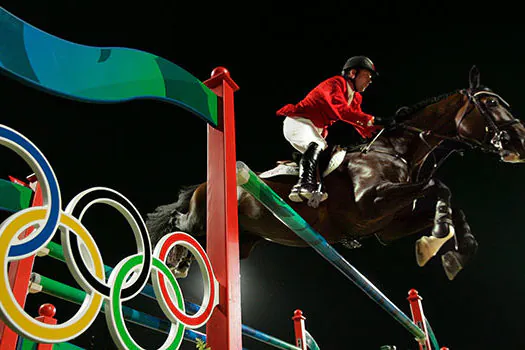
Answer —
373 192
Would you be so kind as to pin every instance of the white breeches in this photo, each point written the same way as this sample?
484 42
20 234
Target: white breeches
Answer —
300 132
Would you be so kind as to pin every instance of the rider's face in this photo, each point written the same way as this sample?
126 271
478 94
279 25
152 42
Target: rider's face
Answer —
363 79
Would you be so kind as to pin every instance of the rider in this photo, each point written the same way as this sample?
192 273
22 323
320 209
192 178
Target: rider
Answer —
306 123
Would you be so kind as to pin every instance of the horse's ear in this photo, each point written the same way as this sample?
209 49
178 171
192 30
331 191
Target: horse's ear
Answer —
474 77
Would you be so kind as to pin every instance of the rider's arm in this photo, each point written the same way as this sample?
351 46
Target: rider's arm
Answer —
345 112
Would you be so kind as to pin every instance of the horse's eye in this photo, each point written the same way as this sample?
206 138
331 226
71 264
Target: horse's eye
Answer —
491 102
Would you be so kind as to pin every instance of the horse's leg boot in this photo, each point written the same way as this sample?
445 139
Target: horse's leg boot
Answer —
427 247
442 220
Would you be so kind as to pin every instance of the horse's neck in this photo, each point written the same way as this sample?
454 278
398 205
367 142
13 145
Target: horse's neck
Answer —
438 119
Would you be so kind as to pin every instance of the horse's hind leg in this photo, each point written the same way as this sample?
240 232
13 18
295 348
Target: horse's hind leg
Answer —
194 220
463 250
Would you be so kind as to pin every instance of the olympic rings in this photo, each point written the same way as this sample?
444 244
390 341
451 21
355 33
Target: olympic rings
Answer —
85 261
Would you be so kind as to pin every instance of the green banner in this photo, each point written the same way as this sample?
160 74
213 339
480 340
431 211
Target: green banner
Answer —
97 74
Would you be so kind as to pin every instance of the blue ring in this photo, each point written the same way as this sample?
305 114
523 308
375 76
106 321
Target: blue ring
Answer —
54 194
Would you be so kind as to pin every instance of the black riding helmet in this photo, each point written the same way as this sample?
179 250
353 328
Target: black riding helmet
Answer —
358 62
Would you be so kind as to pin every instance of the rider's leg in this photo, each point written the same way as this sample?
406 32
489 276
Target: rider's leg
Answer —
307 139
309 179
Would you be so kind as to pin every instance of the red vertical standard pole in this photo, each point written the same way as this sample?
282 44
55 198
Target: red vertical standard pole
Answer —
416 308
299 329
46 312
224 329
19 274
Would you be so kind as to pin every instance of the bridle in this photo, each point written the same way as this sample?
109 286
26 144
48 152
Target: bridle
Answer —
496 134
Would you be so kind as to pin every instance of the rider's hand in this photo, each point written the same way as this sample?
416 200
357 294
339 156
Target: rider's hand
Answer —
386 122
370 121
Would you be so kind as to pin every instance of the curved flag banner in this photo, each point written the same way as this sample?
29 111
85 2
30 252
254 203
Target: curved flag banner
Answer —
97 74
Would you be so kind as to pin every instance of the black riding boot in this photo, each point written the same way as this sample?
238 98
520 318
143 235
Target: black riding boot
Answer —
309 184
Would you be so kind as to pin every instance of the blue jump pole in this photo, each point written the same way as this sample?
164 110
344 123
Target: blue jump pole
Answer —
262 192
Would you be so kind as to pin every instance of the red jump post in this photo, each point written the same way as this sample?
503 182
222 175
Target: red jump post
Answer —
224 329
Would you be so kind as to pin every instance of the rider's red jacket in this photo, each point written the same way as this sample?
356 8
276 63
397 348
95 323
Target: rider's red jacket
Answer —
327 103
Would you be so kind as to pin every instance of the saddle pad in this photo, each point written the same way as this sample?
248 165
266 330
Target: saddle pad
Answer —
291 168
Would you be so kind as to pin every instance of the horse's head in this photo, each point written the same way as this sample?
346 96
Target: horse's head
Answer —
485 121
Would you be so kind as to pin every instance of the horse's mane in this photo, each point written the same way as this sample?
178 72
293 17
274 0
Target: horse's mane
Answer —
405 112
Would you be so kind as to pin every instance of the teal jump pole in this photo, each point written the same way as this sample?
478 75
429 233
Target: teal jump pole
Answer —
262 192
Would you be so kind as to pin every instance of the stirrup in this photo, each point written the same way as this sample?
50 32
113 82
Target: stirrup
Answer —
306 194
314 196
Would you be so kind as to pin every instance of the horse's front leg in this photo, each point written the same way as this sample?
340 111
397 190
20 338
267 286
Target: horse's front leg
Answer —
443 227
388 198
391 198
458 253
407 223
463 250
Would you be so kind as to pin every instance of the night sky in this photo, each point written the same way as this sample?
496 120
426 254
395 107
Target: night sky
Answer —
276 52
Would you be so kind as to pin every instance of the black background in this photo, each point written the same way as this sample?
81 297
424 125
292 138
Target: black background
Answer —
276 52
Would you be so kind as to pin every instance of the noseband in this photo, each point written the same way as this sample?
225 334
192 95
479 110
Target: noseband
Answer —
495 134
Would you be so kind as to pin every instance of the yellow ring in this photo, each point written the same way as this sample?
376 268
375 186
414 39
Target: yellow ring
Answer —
16 317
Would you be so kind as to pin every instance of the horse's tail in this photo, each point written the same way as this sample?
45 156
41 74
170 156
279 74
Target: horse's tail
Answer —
165 218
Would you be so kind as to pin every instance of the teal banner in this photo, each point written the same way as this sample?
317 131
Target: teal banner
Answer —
97 74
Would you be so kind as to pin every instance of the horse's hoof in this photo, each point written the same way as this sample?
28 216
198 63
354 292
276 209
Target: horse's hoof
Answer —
351 243
427 247
451 262
179 273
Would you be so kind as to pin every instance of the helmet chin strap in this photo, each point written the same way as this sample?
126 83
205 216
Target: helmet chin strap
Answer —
352 80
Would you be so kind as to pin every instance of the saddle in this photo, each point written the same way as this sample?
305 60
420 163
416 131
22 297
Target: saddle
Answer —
328 162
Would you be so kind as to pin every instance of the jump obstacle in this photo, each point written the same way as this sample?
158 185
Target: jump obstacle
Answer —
249 181
120 81
112 75
16 197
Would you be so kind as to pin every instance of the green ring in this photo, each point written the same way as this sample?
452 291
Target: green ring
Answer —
115 303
